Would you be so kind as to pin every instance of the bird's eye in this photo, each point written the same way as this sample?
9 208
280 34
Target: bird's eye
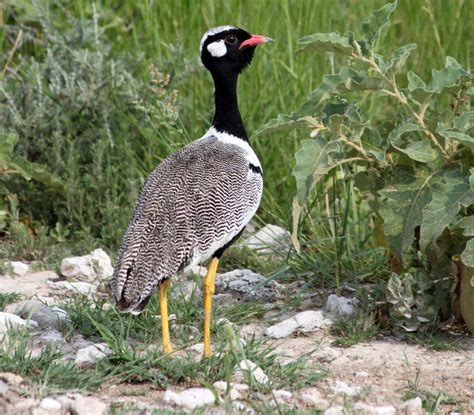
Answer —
231 40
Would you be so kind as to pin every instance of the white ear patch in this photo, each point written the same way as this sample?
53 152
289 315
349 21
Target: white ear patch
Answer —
217 49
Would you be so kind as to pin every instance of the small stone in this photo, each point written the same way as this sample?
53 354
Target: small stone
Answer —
345 389
190 398
8 320
414 406
42 314
282 396
362 374
87 405
3 389
25 405
341 305
89 355
271 239
255 371
66 287
335 410
89 268
48 406
363 408
306 321
248 285
18 268
312 397
197 270
198 348
235 389
12 379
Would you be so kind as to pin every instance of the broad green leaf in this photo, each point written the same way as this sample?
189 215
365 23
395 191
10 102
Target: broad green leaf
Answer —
419 151
327 42
415 82
347 80
448 195
418 148
471 178
467 256
399 58
8 141
377 20
464 121
452 134
403 199
281 123
313 161
449 78
467 225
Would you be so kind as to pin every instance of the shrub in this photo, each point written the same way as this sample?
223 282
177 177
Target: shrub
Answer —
88 118
411 162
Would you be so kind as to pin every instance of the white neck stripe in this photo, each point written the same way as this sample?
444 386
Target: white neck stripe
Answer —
227 138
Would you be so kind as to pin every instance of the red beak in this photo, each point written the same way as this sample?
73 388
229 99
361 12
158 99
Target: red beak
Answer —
255 40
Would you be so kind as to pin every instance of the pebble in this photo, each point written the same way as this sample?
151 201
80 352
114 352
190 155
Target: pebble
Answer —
282 396
48 406
12 379
341 305
9 320
414 406
78 404
271 239
89 268
312 397
66 287
18 268
3 389
345 389
235 389
363 408
255 371
306 321
190 398
248 285
87 356
42 314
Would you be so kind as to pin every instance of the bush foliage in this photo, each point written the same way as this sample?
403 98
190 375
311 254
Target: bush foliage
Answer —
412 163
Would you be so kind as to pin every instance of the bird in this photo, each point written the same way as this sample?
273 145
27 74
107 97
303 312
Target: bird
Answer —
198 200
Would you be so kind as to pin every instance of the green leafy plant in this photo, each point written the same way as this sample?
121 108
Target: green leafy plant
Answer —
410 158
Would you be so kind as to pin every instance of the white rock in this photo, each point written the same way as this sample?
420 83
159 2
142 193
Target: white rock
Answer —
42 314
8 320
362 374
195 270
305 321
235 389
341 305
360 407
282 396
48 406
87 405
18 268
345 389
270 239
255 371
312 397
66 287
190 398
414 406
11 379
198 348
335 410
90 268
89 355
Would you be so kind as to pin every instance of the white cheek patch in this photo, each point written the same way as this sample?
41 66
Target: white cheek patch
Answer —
217 49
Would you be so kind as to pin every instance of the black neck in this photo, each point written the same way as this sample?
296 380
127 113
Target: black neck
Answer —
227 116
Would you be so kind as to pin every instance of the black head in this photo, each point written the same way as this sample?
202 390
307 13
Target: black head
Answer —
228 49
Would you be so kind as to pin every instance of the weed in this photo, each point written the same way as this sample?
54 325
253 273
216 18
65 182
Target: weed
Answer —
8 298
353 329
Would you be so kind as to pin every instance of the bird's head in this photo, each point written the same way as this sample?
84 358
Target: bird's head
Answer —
229 49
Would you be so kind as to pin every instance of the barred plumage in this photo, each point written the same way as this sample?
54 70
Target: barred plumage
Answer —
194 203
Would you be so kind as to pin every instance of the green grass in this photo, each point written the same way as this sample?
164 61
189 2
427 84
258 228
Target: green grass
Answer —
8 298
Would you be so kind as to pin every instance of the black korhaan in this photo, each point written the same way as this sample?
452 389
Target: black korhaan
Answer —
197 201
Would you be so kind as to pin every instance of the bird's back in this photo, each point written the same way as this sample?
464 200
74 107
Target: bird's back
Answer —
195 202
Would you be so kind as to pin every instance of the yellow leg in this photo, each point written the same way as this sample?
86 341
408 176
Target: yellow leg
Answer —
165 329
209 289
